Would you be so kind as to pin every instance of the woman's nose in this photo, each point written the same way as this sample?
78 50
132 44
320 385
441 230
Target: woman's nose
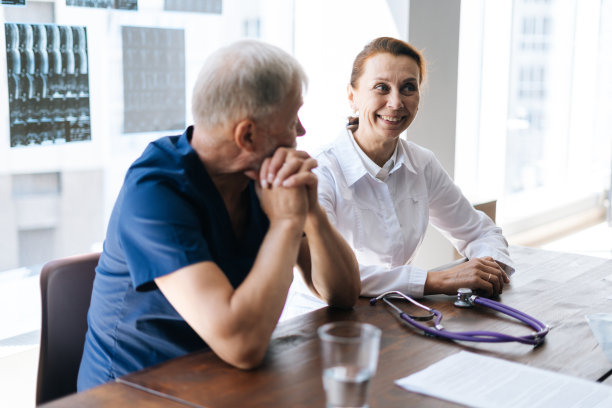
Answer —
394 100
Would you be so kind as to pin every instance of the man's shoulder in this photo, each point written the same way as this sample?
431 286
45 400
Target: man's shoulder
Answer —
159 151
166 158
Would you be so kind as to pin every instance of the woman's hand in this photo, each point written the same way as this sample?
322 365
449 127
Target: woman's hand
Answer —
482 275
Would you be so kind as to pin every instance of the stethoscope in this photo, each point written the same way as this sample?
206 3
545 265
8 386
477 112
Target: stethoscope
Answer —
466 299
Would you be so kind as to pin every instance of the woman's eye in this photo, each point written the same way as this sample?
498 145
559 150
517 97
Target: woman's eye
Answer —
381 87
410 87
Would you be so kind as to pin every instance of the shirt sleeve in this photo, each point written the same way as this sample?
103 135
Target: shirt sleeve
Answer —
376 279
472 232
160 232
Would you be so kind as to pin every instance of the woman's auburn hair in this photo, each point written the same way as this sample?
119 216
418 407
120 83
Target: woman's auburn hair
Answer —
386 45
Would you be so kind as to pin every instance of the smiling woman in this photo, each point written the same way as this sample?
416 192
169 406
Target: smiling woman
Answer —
386 68
381 191
387 98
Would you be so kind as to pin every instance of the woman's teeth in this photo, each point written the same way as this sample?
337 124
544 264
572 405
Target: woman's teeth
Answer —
391 118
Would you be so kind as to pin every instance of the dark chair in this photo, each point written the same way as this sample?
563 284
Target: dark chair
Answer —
65 286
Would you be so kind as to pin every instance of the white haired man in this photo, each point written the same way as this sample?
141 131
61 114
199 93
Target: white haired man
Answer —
209 224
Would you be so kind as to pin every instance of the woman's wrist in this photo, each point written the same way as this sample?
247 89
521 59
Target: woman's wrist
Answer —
435 283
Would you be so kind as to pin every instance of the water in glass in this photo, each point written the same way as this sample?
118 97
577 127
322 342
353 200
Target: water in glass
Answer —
346 386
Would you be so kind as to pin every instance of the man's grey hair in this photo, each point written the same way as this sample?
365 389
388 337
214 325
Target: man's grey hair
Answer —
248 79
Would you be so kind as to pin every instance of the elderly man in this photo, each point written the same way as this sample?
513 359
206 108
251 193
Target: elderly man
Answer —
205 232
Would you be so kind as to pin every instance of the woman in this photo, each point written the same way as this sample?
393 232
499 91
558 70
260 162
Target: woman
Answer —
381 191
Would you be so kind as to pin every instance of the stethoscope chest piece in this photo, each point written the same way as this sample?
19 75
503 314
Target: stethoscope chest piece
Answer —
463 298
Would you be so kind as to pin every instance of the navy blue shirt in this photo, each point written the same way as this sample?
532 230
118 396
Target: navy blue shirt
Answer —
168 215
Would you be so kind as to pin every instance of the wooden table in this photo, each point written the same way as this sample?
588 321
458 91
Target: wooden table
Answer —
559 289
114 395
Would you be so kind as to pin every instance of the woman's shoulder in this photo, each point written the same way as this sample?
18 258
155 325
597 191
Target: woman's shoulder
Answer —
420 156
333 149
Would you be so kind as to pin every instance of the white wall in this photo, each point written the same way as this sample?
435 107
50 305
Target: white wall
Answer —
434 29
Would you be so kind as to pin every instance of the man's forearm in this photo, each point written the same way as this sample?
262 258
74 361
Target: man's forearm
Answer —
334 271
237 323
264 291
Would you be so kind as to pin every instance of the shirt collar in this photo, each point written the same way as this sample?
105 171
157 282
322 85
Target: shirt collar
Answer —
184 142
404 158
355 167
372 168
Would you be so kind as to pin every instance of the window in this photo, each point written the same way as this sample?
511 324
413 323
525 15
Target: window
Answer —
541 128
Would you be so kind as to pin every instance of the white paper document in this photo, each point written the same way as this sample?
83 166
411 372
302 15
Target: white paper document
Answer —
480 381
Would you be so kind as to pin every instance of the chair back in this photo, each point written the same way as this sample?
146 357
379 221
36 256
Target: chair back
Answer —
487 207
65 286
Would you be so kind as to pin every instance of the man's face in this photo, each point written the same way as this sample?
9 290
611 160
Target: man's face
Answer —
279 129
283 126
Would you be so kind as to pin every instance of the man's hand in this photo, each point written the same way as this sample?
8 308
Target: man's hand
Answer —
290 168
285 181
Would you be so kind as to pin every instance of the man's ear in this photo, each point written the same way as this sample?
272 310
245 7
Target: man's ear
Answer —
244 135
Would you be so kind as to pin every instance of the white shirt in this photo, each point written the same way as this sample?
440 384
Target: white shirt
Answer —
385 221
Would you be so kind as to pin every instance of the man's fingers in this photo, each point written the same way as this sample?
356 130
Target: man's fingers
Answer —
302 178
304 175
294 163
278 169
309 164
276 163
302 154
291 166
263 173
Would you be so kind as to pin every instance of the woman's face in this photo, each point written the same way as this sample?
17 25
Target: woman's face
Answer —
387 96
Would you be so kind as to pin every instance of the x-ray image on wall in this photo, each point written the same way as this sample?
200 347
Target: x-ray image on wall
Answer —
13 2
198 6
115 4
48 82
153 79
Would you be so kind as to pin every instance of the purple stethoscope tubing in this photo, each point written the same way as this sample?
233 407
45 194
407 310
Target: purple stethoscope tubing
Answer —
438 330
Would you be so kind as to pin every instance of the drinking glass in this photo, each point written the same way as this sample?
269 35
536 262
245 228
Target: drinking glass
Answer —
349 355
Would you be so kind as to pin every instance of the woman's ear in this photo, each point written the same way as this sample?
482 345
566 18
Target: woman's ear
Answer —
352 98
244 135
